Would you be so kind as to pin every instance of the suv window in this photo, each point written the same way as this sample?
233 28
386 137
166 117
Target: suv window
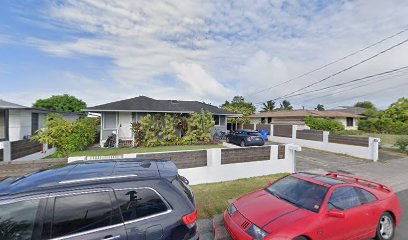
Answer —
138 203
344 198
79 213
17 220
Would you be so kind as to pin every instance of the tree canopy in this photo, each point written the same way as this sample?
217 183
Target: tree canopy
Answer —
64 102
268 106
238 105
365 104
319 107
392 120
285 105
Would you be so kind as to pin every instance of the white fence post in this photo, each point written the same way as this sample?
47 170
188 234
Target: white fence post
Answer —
271 130
290 154
6 151
254 126
326 136
373 144
214 157
294 129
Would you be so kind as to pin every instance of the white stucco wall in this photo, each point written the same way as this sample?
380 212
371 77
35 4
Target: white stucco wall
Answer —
19 124
344 122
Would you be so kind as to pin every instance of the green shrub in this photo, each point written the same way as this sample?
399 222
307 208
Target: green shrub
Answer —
66 136
324 124
199 126
138 133
151 125
402 144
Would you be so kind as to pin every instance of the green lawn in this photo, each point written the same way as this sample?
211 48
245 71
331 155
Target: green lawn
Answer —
212 198
385 138
118 151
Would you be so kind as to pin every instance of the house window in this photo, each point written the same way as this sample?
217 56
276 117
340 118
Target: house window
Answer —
216 120
34 123
350 122
269 120
262 120
109 120
3 124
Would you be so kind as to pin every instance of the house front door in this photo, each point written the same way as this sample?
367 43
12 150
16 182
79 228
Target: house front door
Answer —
125 120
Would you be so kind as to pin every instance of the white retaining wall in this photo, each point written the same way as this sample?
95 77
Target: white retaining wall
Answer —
370 152
217 172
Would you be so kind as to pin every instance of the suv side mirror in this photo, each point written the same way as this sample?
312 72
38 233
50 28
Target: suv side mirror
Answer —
336 213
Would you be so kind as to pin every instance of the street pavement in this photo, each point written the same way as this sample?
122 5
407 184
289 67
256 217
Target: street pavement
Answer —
402 230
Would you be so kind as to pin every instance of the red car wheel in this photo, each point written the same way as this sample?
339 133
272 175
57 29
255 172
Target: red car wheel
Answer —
386 227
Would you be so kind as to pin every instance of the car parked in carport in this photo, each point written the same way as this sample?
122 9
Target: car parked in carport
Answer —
110 200
245 138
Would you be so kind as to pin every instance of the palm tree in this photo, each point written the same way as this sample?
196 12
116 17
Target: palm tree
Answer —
285 105
319 107
268 106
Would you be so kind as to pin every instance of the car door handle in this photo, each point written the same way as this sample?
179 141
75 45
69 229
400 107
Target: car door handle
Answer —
110 237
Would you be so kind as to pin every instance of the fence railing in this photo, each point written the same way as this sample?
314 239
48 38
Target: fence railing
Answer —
313 135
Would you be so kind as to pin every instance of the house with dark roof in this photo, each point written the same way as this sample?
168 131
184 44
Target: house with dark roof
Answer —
297 117
118 116
18 123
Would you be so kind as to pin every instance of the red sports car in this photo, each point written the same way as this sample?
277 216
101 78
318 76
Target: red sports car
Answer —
308 206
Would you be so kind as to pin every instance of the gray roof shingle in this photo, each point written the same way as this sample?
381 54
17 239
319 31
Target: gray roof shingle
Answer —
146 104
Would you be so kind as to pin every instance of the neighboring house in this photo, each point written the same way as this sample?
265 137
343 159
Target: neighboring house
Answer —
118 116
297 117
350 109
18 123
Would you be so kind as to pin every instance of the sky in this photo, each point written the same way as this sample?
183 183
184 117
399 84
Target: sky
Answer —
102 51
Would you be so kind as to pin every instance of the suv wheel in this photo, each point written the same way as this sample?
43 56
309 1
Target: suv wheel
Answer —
385 227
243 143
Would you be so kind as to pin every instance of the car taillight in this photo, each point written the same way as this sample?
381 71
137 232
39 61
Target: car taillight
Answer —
190 219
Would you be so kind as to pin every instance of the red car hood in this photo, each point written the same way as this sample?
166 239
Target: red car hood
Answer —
262 208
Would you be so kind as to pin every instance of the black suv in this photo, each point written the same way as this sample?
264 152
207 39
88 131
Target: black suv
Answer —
110 200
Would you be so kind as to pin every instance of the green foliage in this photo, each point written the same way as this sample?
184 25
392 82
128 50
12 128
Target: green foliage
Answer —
365 104
138 133
199 126
402 144
285 105
238 105
153 130
151 125
268 106
66 136
319 107
64 102
393 120
323 124
168 133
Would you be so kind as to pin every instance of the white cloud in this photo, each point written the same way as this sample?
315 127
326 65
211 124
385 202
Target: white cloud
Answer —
201 83
220 48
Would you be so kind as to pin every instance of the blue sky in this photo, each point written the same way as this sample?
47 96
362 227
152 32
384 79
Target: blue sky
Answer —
103 51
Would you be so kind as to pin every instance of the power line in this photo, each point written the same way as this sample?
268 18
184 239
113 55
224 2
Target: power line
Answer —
331 63
343 70
347 88
351 81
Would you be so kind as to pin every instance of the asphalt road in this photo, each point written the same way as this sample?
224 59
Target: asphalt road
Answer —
402 230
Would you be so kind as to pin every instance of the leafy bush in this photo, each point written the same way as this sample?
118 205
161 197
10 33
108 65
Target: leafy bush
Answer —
138 133
402 144
393 120
323 124
168 133
199 126
66 136
151 125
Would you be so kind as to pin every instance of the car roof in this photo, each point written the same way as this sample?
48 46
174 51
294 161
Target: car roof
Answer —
325 180
85 173
246 130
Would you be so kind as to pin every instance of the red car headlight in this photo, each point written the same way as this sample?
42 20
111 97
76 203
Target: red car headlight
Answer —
256 232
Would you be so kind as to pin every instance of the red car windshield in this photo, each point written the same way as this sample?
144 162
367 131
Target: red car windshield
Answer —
301 193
